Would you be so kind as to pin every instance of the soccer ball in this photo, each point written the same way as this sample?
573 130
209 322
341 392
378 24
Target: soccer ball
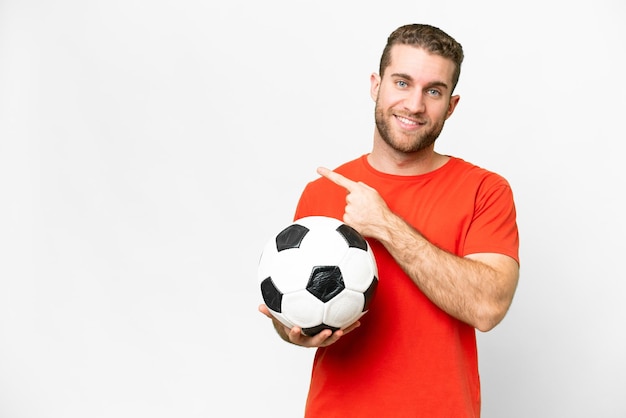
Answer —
317 273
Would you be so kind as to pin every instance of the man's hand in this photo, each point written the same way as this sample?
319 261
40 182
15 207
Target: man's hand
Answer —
365 210
295 336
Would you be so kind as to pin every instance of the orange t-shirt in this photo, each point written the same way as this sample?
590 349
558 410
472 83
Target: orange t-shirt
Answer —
409 358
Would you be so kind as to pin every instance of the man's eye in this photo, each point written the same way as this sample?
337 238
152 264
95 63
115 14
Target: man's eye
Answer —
401 83
434 92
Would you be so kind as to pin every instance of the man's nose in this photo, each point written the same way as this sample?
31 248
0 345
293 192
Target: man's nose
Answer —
414 102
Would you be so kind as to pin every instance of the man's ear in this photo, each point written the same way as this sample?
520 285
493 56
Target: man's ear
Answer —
374 86
454 100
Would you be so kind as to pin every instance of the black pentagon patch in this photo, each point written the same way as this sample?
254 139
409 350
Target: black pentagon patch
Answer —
317 329
291 237
352 237
272 297
369 293
325 282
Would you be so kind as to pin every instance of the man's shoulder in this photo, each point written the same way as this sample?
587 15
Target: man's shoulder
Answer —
356 164
348 169
472 171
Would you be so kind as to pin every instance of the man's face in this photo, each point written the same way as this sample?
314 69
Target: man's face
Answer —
413 99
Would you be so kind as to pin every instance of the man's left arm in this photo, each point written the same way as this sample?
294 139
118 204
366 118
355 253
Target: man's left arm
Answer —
477 289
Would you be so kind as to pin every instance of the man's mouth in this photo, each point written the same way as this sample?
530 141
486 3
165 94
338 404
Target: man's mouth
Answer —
407 121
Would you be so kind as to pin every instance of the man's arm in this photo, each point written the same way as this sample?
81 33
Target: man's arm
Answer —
477 289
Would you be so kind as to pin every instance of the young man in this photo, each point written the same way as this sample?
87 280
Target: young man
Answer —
445 239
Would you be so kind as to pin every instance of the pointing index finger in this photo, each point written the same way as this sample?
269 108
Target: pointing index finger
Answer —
336 178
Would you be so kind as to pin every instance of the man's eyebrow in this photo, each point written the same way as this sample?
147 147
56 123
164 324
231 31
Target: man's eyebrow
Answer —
409 78
402 75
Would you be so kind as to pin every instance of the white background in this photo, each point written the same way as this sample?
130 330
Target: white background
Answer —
148 149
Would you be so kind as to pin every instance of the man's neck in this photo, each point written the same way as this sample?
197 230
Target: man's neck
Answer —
397 163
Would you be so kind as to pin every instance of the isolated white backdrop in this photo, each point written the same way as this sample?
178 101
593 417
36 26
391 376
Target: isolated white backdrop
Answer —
149 148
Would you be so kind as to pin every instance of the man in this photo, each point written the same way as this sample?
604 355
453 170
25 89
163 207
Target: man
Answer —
445 239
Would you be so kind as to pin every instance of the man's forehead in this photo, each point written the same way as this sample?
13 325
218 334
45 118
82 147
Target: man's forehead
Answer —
416 61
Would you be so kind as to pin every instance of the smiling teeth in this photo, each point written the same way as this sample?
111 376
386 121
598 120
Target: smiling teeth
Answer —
407 121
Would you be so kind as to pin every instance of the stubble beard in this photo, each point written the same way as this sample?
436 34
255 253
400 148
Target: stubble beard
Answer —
421 140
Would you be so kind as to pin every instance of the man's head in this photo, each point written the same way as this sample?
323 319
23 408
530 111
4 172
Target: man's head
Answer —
419 70
429 38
